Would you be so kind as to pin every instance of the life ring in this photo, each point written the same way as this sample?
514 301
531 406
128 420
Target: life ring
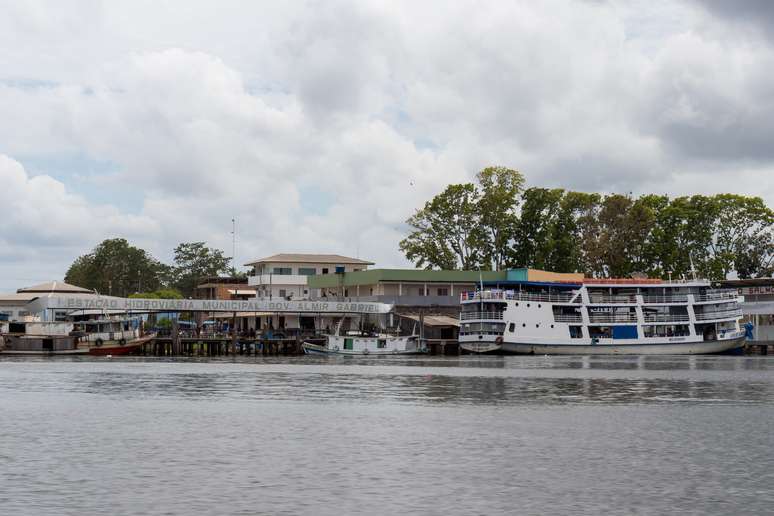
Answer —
365 351
122 342
98 342
499 340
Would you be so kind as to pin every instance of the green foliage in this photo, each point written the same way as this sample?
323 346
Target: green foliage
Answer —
194 261
116 268
499 224
164 322
164 293
467 226
448 233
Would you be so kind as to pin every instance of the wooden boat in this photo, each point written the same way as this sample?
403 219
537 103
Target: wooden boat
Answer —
121 347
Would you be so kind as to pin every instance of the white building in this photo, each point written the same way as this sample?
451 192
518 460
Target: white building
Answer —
15 306
284 276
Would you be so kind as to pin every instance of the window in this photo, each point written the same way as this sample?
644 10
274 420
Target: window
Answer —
346 292
325 270
282 292
512 327
422 291
347 343
282 271
339 269
307 271
443 291
381 343
576 332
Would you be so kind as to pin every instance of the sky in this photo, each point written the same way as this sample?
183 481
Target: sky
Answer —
320 126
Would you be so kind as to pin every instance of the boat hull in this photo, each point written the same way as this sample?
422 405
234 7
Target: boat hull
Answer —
116 348
316 349
685 348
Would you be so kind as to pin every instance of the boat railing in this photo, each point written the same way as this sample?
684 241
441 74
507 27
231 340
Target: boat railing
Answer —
465 316
516 296
657 317
719 314
679 298
716 295
604 299
572 318
613 318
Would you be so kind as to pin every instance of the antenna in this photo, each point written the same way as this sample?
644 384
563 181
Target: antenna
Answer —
233 245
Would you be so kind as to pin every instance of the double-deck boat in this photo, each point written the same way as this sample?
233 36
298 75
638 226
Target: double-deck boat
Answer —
108 336
594 316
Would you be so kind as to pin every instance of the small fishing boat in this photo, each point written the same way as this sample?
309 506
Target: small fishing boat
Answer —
363 344
118 348
366 345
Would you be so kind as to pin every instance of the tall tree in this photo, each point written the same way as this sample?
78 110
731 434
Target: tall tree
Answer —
194 261
534 231
116 268
447 233
574 231
497 210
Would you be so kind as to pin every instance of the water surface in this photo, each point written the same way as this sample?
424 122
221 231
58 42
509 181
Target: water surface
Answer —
467 435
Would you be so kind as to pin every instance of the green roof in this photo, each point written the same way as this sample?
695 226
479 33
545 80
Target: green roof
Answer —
373 276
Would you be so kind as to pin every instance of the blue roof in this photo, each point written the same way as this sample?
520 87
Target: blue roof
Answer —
546 284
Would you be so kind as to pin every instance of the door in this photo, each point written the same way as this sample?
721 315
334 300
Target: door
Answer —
347 343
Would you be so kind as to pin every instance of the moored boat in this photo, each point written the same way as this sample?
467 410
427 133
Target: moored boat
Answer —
591 316
116 348
375 345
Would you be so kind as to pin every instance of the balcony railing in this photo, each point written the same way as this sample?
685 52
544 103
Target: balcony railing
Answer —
604 300
719 314
613 318
649 300
516 296
716 295
466 316
650 317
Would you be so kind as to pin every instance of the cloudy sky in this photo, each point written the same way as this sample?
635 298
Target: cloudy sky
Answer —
320 126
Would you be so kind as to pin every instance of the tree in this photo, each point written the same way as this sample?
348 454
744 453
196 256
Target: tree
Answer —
574 232
497 210
447 232
164 293
194 261
534 230
116 268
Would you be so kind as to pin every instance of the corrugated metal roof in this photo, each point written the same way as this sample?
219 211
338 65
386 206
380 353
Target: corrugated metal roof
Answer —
310 258
17 298
54 286
435 320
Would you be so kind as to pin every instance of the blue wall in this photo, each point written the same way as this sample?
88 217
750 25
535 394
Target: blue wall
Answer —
624 332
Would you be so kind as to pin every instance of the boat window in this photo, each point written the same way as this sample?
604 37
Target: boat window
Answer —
381 343
512 327
576 332
347 343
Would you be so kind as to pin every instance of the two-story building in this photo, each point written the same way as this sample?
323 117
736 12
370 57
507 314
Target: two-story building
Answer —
284 276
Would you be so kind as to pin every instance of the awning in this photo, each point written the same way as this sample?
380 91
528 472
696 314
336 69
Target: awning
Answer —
435 320
241 292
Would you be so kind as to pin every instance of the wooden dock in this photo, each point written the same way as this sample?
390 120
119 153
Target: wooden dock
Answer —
220 346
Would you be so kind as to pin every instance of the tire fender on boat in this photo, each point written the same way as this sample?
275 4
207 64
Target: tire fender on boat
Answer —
499 340
365 351
122 342
98 342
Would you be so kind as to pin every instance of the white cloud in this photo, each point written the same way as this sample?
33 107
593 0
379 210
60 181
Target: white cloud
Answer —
240 110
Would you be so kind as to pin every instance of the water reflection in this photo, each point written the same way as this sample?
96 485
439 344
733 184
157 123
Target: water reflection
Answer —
458 380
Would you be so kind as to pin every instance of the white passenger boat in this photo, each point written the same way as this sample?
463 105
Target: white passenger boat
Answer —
366 345
591 316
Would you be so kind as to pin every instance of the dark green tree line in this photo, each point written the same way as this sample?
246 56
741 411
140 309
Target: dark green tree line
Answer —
117 268
600 235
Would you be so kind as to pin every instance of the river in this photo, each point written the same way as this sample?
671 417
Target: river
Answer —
445 435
